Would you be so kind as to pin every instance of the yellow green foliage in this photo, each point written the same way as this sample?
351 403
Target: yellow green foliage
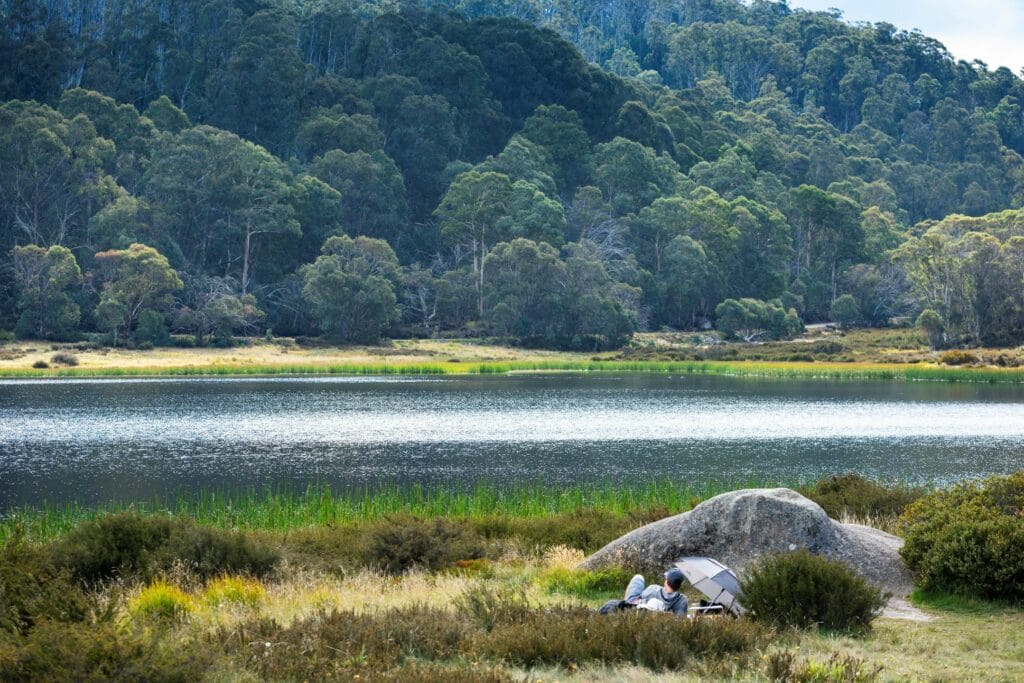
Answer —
160 599
237 590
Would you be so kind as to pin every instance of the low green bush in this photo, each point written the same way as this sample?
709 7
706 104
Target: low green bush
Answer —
853 494
805 590
568 636
958 357
378 645
396 545
64 358
969 540
784 667
32 590
489 610
328 645
142 546
103 651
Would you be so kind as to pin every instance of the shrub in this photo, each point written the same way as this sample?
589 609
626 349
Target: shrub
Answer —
64 358
133 545
846 311
151 330
805 590
969 540
829 347
329 644
397 545
209 552
958 357
40 365
104 651
489 610
33 590
838 668
234 589
161 600
853 494
567 636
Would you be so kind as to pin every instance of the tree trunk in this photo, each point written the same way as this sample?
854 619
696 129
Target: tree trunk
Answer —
245 259
480 283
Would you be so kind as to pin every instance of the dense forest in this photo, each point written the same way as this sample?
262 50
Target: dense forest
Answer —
554 172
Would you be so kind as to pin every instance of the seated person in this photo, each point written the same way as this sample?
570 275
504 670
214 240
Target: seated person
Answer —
664 598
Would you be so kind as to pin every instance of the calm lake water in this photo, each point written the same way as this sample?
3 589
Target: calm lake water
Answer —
130 439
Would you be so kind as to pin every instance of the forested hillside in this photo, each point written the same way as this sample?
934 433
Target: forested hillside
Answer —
556 172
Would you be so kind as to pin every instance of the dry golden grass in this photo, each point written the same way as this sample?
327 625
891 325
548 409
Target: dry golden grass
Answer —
22 355
301 593
888 524
971 642
563 557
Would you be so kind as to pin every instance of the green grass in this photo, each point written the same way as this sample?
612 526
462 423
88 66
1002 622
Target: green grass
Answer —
958 604
286 510
774 370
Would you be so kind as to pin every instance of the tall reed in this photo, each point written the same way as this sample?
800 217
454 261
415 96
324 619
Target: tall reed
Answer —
286 509
774 370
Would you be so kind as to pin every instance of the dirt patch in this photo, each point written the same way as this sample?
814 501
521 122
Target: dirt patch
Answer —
899 608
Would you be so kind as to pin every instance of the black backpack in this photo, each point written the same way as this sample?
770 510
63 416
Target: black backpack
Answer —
613 606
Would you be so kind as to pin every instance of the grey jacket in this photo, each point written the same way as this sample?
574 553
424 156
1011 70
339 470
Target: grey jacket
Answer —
674 602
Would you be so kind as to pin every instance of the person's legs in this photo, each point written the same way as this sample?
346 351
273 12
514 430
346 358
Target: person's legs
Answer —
635 588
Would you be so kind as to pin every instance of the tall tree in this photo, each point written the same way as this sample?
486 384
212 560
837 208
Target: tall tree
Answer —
134 280
46 280
215 196
351 288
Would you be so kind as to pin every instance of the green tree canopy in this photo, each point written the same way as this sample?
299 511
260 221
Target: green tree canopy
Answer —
134 280
350 288
46 280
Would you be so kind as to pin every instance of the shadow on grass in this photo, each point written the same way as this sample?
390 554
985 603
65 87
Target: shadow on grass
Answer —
962 604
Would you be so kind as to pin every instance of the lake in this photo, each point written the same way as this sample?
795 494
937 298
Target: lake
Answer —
91 441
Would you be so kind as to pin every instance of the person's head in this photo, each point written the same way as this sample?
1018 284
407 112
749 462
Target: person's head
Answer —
674 579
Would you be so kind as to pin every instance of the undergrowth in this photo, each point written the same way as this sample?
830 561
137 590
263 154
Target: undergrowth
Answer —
803 590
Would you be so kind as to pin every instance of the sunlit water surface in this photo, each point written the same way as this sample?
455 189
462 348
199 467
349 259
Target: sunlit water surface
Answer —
132 439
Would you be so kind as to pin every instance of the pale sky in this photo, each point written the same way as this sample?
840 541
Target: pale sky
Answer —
989 30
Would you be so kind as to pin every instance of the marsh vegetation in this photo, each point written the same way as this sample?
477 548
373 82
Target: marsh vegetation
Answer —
478 596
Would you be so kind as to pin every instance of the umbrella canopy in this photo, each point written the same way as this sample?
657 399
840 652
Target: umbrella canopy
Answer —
715 580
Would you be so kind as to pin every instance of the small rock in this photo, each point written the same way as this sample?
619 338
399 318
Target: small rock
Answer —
739 527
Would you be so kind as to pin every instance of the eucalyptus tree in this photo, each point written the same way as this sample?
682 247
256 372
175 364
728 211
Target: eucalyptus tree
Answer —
46 280
216 197
350 288
133 281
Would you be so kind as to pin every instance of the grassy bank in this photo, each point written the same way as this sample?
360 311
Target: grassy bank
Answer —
861 356
768 370
287 510
369 587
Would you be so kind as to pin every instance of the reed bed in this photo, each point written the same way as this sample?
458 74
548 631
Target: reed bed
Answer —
285 509
770 370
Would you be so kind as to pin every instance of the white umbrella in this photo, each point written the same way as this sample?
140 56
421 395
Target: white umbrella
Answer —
715 580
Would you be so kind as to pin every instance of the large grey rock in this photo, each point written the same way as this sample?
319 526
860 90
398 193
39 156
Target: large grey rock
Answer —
737 528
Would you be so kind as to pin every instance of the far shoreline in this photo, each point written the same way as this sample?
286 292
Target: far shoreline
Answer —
863 357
